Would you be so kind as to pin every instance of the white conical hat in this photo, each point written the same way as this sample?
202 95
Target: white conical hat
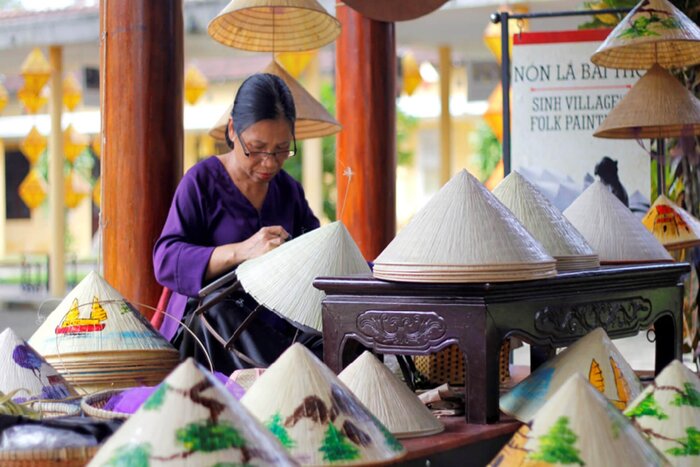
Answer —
282 279
672 225
191 419
388 398
611 228
578 426
95 318
316 416
668 411
463 234
22 369
546 223
594 356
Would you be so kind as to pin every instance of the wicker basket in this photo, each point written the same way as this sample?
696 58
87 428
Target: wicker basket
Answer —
447 365
65 457
93 405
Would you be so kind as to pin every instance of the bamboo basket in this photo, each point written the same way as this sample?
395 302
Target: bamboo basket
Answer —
64 457
93 406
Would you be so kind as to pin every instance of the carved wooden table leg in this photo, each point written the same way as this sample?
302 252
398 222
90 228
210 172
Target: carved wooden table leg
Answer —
333 333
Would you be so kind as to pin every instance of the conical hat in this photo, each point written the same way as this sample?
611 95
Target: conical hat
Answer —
23 369
316 416
95 318
657 106
578 426
672 225
282 279
388 398
218 131
594 356
668 411
463 228
274 25
611 228
546 223
654 31
191 419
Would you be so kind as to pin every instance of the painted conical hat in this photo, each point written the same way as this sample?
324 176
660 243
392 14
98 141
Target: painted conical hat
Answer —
316 416
668 411
672 225
594 356
463 234
657 106
282 279
611 228
191 419
546 223
274 25
23 369
654 31
95 318
578 426
388 398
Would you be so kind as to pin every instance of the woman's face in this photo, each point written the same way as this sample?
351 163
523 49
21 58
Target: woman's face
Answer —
262 148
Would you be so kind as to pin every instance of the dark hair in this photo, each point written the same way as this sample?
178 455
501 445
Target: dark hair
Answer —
262 96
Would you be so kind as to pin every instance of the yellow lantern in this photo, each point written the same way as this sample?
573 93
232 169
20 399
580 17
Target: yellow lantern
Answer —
3 97
97 145
492 33
411 74
33 145
75 190
72 94
97 192
195 84
73 143
32 190
32 101
295 62
35 71
494 112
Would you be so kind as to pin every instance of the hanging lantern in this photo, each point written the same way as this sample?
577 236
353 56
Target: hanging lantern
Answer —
32 101
97 192
3 97
96 145
494 112
33 145
410 73
35 71
195 84
72 94
75 190
73 143
32 190
295 62
492 33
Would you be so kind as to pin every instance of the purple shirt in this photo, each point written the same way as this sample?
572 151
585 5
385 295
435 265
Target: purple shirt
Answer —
208 210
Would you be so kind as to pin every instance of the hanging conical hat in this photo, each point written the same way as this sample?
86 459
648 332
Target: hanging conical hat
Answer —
23 369
578 426
668 411
218 131
95 318
594 356
612 230
546 223
657 106
282 279
274 25
316 416
672 225
388 398
191 419
654 31
463 234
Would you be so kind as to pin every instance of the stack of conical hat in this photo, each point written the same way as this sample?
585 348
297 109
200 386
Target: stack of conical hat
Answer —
315 416
668 411
672 225
464 234
192 420
578 426
282 279
594 356
612 230
97 340
388 398
546 223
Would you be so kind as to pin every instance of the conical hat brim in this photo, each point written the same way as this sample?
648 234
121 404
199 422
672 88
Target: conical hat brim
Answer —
612 230
302 393
657 106
672 47
672 225
529 396
274 25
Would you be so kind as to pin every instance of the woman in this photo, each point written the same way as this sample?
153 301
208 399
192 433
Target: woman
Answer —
228 209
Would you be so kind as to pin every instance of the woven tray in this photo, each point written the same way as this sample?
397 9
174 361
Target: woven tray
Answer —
93 405
65 457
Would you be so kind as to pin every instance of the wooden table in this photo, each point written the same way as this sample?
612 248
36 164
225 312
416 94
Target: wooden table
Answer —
418 319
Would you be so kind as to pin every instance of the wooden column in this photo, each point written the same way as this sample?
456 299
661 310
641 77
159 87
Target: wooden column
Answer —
445 115
141 74
57 208
312 163
366 147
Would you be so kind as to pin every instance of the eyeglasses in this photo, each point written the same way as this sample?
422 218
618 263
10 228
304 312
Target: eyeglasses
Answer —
278 155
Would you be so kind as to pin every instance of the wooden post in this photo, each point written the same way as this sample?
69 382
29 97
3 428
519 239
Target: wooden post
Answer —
366 107
445 117
312 163
57 214
141 82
